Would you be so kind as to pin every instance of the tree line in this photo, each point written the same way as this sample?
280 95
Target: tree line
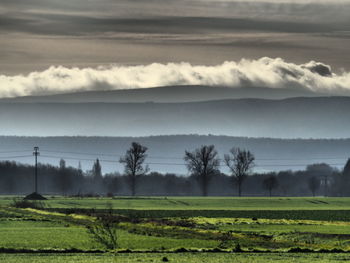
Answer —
205 178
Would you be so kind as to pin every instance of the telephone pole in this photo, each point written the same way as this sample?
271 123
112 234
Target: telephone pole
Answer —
36 153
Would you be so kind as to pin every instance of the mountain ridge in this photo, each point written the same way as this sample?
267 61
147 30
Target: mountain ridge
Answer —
169 94
317 117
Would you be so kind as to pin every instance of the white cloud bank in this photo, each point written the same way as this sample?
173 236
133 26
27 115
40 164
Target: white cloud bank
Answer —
264 72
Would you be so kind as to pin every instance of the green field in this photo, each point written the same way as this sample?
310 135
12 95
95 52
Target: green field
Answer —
216 228
200 203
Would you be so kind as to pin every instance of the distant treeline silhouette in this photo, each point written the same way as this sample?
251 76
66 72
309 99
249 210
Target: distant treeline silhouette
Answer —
16 178
205 177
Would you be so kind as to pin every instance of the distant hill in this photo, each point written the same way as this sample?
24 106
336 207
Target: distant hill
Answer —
168 94
166 152
314 117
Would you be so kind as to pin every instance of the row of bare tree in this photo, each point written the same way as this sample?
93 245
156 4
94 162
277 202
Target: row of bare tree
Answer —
205 177
203 163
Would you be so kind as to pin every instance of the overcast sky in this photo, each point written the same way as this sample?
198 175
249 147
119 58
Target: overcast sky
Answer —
36 34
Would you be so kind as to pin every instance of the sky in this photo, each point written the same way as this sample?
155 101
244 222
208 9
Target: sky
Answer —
79 42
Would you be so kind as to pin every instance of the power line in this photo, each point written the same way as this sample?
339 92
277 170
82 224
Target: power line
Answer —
105 160
78 159
17 151
80 153
272 165
169 157
153 163
165 163
300 159
178 158
110 154
181 164
14 157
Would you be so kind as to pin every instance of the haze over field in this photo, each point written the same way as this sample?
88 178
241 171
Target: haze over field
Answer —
165 153
315 117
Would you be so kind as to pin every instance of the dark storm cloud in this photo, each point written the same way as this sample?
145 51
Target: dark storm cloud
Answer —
319 68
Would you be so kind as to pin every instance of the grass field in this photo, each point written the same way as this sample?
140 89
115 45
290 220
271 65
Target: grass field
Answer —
186 224
199 203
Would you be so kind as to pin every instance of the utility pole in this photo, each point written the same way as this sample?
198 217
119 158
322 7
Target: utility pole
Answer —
36 153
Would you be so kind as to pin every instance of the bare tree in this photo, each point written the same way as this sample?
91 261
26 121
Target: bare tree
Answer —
240 162
203 163
270 183
133 164
313 184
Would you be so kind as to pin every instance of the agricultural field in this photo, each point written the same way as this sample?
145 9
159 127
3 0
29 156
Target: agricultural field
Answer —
181 229
198 203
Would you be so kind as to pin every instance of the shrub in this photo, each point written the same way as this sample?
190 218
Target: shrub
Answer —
104 232
109 194
19 203
226 240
